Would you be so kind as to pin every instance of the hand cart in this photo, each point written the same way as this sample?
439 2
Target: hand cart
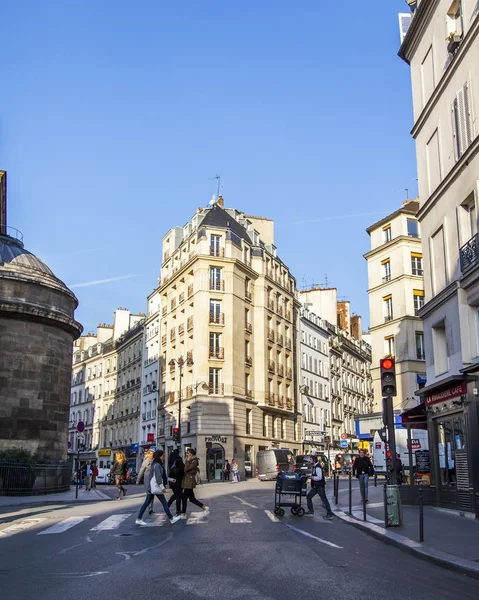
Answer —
289 489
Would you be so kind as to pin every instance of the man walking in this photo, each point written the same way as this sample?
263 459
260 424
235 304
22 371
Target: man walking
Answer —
88 477
318 486
363 468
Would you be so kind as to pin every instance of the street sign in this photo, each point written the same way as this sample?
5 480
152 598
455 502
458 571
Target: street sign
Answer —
80 426
344 436
69 445
344 443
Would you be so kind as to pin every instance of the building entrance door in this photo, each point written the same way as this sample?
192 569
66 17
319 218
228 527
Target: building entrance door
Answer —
215 460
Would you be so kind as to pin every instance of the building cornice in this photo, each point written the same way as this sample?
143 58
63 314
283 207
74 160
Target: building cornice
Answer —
413 318
394 242
439 299
419 22
413 278
406 209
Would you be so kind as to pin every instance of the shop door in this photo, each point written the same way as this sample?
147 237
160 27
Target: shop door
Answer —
453 462
214 462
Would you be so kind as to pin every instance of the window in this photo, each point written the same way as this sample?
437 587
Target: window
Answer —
455 22
388 308
412 228
439 347
215 345
468 220
438 261
215 311
215 386
387 233
461 112
389 345
386 270
433 162
418 299
215 245
249 413
427 76
215 279
420 345
416 263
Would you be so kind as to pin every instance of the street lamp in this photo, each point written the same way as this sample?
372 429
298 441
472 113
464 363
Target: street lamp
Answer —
304 389
181 363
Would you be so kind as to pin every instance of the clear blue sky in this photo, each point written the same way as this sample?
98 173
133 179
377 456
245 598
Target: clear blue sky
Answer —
115 116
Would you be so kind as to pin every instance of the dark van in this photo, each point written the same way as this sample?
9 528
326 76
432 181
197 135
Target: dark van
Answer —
270 462
303 466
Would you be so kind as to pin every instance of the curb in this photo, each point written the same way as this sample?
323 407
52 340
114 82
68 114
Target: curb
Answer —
443 559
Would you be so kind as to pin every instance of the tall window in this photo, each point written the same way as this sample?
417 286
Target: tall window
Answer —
439 347
386 270
462 120
412 228
215 381
216 282
215 245
389 345
249 413
387 233
418 298
215 311
215 345
420 355
416 263
388 308
438 261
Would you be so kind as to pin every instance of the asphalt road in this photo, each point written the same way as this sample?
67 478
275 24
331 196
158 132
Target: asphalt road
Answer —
239 551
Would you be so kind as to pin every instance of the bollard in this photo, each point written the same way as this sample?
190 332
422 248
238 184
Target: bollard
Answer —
364 511
421 517
350 494
375 480
335 487
385 507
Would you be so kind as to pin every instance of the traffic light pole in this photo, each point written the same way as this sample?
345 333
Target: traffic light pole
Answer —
389 423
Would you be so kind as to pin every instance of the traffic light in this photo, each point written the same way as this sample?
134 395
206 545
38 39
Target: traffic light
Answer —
382 434
176 434
388 377
389 461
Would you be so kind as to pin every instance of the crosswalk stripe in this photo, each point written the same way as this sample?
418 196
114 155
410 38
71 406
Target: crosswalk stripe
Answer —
270 515
112 522
63 525
21 526
239 516
158 521
196 518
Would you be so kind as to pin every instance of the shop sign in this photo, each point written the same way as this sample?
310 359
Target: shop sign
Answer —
150 437
446 394
106 452
216 438
415 445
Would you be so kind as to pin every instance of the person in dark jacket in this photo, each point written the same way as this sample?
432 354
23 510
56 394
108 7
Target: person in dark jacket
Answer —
318 486
177 472
189 483
363 469
226 471
172 458
118 470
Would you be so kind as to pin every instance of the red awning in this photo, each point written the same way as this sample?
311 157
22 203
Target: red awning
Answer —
415 417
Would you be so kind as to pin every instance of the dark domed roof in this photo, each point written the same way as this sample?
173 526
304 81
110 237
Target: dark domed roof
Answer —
13 253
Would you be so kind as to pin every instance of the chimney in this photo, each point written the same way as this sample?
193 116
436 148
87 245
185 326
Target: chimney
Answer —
220 202
356 329
343 315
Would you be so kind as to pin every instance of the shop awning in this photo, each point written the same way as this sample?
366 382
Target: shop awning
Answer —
415 417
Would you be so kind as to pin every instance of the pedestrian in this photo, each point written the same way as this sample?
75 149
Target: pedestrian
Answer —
189 483
235 469
144 475
88 477
154 487
118 470
94 474
177 472
226 471
172 458
318 486
399 470
363 469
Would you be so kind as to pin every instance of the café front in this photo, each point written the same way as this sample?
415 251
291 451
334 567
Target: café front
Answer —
452 411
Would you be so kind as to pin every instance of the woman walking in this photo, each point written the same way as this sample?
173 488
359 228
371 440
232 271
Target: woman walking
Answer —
189 483
144 475
118 470
154 487
177 472
235 469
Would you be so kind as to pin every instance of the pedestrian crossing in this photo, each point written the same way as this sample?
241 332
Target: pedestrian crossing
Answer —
42 525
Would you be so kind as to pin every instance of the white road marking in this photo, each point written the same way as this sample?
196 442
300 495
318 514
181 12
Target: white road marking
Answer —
21 526
244 502
75 575
196 518
63 525
127 556
239 516
112 522
158 521
88 540
318 539
271 516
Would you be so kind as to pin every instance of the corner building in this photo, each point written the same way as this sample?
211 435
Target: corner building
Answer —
229 311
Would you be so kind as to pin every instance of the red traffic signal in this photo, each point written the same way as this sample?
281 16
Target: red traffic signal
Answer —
389 454
387 368
176 434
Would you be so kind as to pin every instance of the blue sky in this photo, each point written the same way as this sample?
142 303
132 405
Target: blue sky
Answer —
116 116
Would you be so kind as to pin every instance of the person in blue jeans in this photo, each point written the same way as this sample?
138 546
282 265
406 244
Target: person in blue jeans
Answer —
157 472
363 469
318 486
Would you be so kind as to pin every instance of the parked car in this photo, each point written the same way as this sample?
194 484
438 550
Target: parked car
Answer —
271 462
104 476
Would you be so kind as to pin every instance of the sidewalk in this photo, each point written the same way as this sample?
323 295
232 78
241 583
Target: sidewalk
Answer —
450 540
61 498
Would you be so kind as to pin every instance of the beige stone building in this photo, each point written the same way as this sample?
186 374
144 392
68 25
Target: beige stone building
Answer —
396 295
229 312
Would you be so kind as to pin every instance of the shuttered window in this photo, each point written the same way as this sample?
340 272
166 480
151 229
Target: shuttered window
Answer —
462 120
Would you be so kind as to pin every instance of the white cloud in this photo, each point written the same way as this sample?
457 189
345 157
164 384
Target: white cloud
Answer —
101 281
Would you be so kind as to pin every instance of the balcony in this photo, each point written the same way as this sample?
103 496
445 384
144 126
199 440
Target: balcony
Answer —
249 394
189 358
289 373
217 285
181 329
386 278
172 367
289 403
216 352
172 335
164 310
173 304
469 253
271 366
215 251
270 334
216 389
270 304
163 339
280 371
288 314
189 323
217 318
248 327
288 343
248 361
190 290
280 401
189 392
171 397
279 310
248 295
280 339
181 297
388 318
270 398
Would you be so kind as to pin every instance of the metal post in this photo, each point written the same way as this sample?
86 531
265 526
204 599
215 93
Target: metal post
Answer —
78 467
421 516
337 488
391 437
364 511
385 506
180 364
409 445
375 480
350 494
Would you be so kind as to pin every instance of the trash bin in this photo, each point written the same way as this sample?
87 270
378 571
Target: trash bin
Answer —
393 507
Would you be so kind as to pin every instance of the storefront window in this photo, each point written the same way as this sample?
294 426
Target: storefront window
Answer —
450 438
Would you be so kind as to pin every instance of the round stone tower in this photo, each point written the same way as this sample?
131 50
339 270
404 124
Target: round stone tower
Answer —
37 330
